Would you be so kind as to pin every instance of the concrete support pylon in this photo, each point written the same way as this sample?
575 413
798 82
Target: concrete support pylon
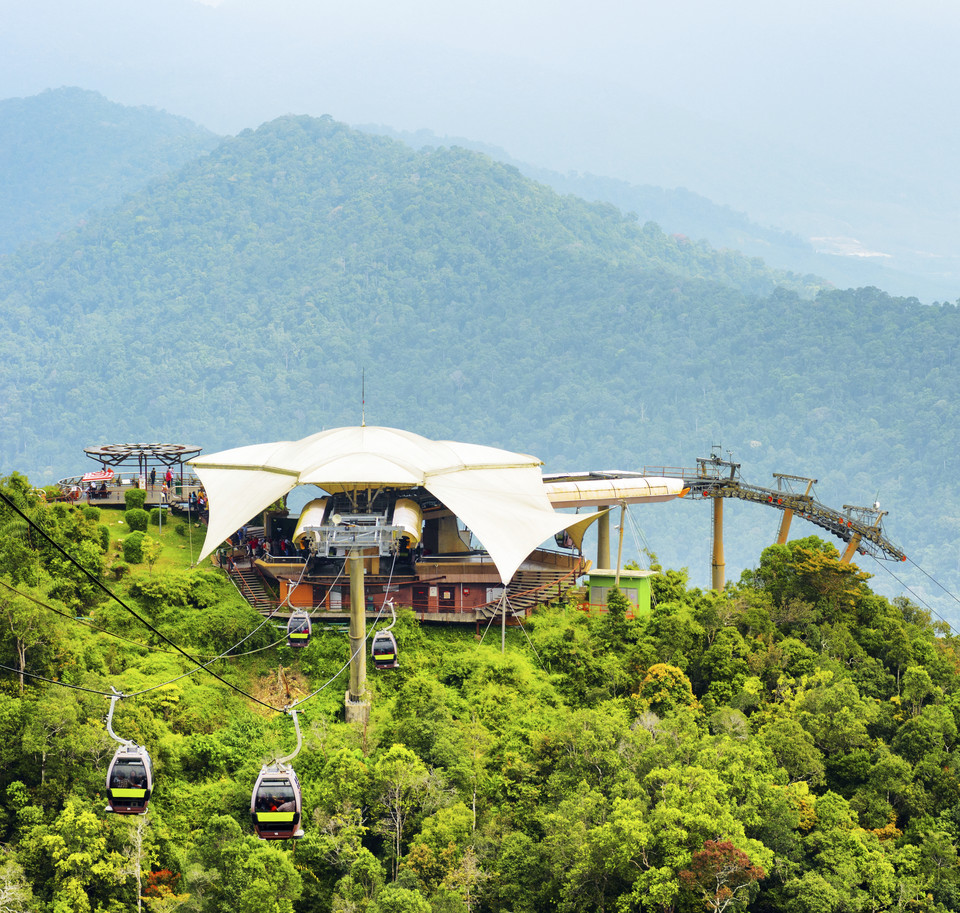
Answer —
603 537
718 564
356 704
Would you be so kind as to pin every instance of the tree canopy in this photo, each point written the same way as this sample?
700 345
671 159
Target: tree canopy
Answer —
787 744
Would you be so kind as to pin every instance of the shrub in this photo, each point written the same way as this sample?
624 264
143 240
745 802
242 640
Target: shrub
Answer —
91 513
137 519
119 569
104 533
133 547
152 549
135 498
155 516
181 530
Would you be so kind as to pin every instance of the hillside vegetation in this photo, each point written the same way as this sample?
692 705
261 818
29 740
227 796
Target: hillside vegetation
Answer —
788 745
69 152
681 211
239 299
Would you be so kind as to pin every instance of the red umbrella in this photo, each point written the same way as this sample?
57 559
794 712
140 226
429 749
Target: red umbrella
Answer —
101 475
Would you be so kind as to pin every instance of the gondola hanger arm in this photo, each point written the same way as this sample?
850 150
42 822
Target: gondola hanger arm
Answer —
389 601
113 703
296 751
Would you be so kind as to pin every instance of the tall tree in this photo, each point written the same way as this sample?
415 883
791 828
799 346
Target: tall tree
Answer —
721 875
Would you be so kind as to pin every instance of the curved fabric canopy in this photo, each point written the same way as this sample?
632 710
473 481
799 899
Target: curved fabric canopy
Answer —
499 495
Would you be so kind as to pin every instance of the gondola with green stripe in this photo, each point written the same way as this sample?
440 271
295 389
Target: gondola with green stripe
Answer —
276 804
130 775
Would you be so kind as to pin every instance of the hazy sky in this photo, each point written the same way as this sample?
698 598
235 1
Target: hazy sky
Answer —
754 62
824 118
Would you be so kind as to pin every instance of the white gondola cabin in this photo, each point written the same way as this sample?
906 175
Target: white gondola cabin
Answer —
384 651
129 780
276 804
299 629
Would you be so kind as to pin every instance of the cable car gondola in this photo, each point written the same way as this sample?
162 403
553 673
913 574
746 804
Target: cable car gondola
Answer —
384 650
276 803
130 774
299 629
129 780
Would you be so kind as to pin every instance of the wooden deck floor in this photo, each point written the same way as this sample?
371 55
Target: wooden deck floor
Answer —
115 496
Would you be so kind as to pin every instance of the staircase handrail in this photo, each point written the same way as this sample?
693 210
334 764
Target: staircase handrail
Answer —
574 572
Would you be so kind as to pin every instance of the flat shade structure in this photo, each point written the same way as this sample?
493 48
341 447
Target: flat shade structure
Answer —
499 495
99 475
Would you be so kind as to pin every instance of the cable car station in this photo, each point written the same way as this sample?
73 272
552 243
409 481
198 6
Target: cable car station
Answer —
394 496
398 515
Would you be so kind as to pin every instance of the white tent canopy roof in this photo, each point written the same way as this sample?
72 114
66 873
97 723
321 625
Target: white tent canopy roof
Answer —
499 495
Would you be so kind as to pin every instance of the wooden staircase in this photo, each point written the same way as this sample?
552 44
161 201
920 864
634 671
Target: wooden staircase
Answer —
528 589
251 586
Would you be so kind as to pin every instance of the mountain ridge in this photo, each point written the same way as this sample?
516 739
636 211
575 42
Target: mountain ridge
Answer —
69 152
240 298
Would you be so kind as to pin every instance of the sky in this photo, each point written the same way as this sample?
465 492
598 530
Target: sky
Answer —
827 119
754 62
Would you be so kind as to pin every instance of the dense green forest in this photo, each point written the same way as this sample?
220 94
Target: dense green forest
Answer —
681 211
789 744
67 153
240 298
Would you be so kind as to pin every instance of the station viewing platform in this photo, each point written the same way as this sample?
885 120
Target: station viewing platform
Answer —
159 469
113 494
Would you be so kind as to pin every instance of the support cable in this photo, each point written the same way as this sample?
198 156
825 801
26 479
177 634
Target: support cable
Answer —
53 681
937 582
919 599
388 600
361 646
503 603
82 621
636 530
532 647
100 585
129 640
161 684
290 590
204 666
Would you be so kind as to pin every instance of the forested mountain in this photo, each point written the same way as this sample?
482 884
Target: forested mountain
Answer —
787 746
680 211
67 152
239 299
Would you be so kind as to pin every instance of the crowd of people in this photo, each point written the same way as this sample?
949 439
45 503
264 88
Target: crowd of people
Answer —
197 504
94 491
247 545
172 489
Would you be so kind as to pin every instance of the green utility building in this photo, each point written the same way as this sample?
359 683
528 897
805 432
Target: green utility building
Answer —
635 585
